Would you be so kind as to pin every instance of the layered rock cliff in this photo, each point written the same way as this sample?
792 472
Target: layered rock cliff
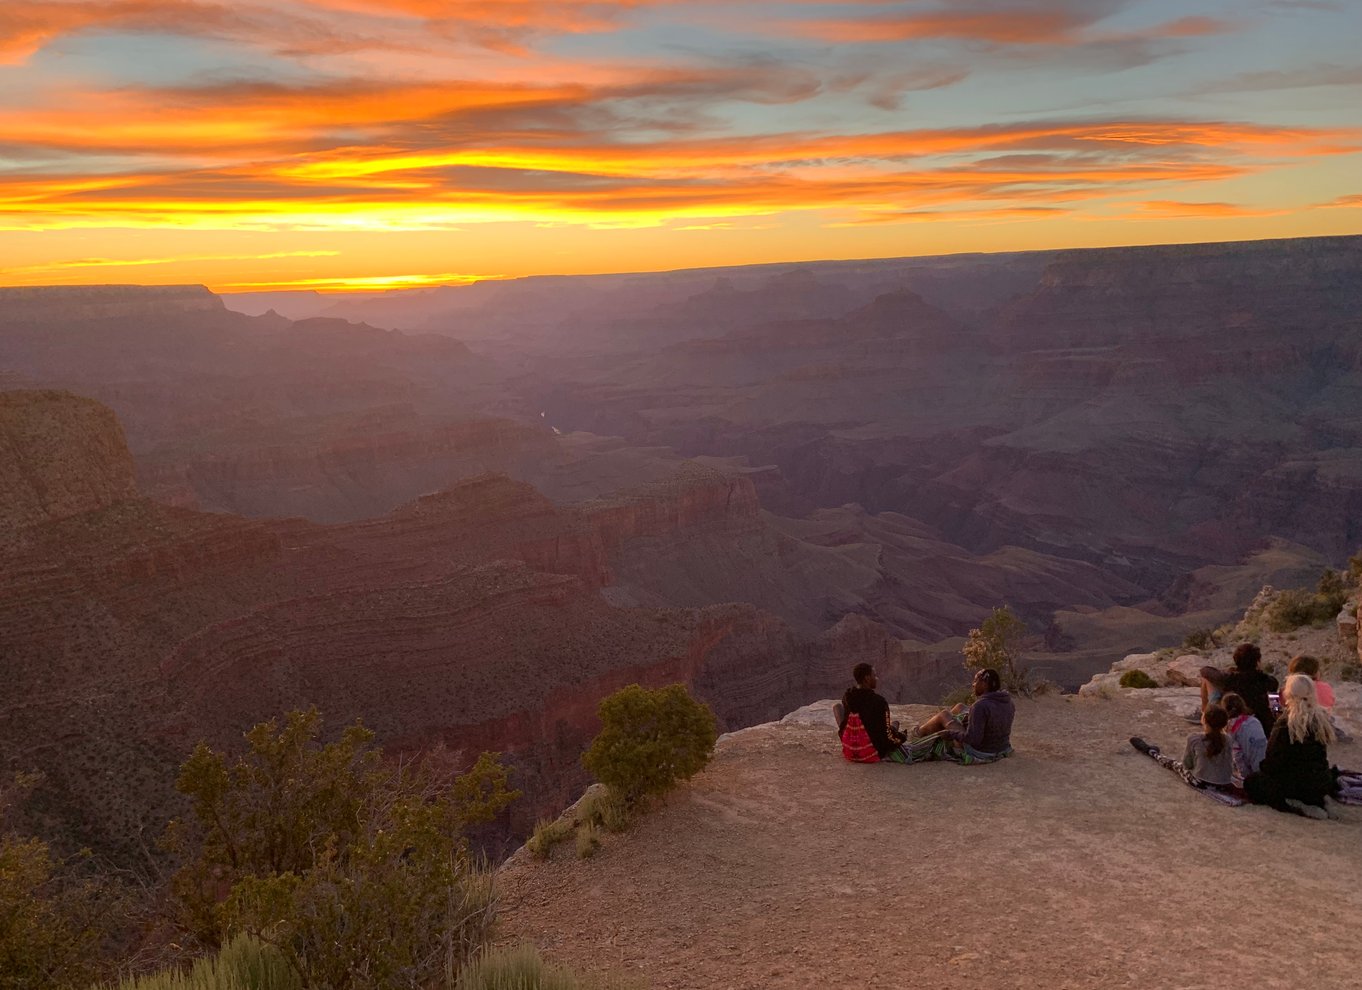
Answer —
59 305
60 455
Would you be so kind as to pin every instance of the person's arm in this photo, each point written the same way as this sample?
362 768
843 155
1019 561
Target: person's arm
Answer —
1213 675
846 713
975 727
876 721
1189 754
1255 746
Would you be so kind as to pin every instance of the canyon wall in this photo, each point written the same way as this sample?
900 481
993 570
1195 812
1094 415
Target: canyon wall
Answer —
472 618
59 456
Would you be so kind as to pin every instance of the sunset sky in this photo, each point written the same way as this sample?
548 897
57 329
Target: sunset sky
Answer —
373 143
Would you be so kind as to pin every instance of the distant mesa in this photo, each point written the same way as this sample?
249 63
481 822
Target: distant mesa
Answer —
57 304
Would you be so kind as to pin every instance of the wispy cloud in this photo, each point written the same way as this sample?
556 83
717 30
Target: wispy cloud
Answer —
1167 209
54 267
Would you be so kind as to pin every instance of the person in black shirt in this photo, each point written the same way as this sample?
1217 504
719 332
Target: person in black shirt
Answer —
1295 774
1245 680
863 700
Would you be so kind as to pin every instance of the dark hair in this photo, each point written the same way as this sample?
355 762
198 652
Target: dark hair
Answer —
1234 705
1216 718
991 678
861 671
1304 664
1246 656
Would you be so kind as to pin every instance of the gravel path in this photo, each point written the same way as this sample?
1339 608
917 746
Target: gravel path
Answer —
1077 863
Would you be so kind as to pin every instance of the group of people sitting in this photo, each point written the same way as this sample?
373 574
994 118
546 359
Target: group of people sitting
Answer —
1234 755
980 733
1249 750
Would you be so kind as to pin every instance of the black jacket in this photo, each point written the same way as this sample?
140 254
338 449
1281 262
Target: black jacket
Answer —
874 713
1297 770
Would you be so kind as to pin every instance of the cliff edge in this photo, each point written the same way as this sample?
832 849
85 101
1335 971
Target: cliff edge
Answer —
1077 863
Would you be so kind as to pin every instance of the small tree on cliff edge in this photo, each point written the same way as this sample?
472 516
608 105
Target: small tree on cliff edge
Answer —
996 644
650 741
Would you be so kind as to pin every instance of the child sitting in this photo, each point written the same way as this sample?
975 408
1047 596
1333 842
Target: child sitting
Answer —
1206 763
1247 736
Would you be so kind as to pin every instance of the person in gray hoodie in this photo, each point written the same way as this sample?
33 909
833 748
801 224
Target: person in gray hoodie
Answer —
1247 735
982 734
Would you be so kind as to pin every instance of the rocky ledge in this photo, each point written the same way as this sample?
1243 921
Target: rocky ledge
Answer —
1077 863
1177 680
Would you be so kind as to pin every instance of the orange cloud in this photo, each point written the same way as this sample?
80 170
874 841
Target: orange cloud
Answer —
1009 27
1167 208
311 26
80 263
452 156
1033 24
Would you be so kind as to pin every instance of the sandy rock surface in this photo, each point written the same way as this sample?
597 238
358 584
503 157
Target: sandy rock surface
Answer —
1077 863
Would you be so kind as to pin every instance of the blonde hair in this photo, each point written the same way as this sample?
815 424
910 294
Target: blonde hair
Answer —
1305 719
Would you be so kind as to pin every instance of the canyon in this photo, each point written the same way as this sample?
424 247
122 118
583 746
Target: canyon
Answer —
470 619
465 514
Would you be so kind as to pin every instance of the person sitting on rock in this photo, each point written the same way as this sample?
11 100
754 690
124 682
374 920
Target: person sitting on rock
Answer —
1247 736
1207 760
863 724
980 735
1295 774
1245 680
1324 694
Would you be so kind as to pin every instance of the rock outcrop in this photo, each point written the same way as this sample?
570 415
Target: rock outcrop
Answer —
60 455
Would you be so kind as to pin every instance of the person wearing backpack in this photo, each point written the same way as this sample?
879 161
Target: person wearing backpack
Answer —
863 724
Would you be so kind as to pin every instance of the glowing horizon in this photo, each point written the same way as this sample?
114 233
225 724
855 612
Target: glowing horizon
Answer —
359 145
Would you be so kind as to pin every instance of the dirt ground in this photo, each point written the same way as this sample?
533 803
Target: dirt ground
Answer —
1076 863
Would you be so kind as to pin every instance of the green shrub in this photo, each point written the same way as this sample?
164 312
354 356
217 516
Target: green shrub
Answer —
960 696
547 834
1332 592
1199 640
1350 672
996 643
56 917
244 963
1137 679
44 942
1290 610
650 741
521 968
356 868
